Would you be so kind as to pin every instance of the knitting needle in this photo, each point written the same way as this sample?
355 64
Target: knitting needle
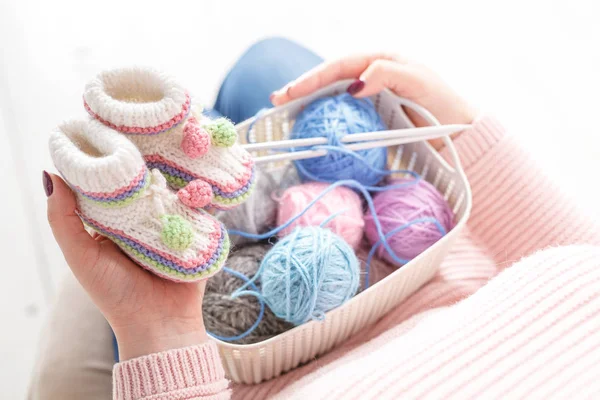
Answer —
416 133
301 155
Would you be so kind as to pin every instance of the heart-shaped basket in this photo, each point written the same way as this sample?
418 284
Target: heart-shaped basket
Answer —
253 363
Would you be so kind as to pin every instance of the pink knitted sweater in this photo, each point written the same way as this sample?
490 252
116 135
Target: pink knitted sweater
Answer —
520 332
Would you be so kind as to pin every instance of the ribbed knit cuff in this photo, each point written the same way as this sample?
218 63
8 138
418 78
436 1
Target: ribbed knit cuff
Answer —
474 144
192 373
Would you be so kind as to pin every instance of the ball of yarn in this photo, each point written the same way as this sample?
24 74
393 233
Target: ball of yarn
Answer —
348 224
228 317
307 273
334 117
396 207
259 212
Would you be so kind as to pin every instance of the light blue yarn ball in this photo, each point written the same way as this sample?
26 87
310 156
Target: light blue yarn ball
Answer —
307 273
334 117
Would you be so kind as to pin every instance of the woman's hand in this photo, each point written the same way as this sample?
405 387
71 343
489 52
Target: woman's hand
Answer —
375 72
148 314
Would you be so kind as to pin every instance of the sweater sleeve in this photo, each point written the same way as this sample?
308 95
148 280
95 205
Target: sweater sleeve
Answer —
517 209
193 372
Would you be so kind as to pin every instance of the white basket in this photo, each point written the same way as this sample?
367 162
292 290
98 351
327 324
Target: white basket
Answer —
253 363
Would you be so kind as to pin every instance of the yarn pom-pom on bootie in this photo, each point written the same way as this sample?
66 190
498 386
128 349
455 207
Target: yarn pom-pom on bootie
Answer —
198 156
228 316
121 199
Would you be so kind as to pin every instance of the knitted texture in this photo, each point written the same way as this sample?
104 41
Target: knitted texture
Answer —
173 136
188 373
222 132
196 193
120 198
196 141
227 316
177 233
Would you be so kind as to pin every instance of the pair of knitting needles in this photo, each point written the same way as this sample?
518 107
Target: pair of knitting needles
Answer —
355 142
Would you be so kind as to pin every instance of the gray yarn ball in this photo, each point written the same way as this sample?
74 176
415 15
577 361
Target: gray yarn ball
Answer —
258 213
226 316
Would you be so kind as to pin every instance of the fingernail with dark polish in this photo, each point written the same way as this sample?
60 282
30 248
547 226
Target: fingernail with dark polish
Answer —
355 87
48 186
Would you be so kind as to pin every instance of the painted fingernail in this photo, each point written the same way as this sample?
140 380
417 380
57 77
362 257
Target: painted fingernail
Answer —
355 87
47 181
271 97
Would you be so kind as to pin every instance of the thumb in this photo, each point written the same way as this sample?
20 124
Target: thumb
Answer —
78 247
382 74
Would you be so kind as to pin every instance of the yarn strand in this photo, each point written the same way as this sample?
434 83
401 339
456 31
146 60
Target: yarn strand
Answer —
392 233
332 216
250 293
363 160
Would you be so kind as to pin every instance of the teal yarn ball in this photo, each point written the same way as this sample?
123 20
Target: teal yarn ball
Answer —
334 117
307 273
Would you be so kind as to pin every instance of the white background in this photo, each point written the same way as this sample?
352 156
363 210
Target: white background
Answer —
535 64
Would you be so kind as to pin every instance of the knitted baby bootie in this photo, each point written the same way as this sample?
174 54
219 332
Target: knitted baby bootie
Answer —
120 198
198 156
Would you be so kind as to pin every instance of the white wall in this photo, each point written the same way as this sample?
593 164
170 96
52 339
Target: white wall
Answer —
533 63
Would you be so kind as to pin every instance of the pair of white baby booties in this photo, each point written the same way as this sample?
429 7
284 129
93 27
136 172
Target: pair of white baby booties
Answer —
146 165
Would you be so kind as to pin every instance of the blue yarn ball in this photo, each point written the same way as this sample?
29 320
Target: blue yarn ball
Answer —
307 273
334 117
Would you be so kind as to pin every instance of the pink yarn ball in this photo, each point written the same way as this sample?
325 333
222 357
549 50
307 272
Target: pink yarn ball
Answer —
349 224
397 207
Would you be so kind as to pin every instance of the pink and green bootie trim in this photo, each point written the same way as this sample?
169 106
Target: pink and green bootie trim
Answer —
120 198
199 157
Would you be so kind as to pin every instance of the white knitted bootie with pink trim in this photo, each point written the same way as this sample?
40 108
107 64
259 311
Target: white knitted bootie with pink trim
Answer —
120 198
198 156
